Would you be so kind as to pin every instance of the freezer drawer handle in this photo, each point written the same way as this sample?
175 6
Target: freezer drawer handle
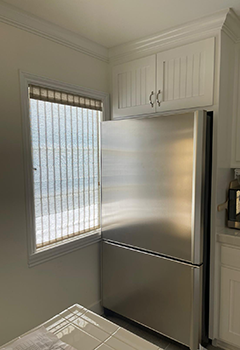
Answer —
150 99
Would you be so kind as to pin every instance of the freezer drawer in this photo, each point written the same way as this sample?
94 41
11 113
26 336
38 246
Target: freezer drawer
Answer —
160 293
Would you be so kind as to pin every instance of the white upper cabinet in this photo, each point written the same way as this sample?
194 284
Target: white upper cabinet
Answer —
133 83
185 76
175 79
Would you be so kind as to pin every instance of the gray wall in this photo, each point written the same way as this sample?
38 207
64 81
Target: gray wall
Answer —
29 296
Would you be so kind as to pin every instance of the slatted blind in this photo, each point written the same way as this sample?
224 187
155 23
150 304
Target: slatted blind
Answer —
66 164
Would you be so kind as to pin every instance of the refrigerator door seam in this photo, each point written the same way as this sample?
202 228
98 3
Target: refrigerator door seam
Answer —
149 252
198 186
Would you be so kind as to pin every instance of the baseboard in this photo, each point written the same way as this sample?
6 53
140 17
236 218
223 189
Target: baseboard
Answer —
223 345
96 307
201 347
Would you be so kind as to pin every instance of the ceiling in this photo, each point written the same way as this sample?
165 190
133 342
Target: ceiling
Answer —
113 22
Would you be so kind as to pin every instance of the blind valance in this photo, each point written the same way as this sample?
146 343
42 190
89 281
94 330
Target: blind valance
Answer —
45 94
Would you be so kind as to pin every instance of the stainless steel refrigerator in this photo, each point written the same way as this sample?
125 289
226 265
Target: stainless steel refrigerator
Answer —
155 222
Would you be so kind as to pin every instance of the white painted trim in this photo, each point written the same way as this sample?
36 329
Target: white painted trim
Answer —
236 108
231 26
34 257
221 344
192 31
195 30
10 14
63 248
189 32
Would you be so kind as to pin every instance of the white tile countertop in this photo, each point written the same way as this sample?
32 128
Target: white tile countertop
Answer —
85 330
228 236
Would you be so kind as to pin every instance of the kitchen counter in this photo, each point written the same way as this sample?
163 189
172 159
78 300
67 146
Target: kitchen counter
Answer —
228 236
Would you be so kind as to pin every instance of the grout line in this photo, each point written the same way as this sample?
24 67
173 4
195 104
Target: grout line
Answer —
166 346
103 342
139 336
126 327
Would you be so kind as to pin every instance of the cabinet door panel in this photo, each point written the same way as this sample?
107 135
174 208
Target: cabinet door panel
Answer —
185 76
133 83
230 306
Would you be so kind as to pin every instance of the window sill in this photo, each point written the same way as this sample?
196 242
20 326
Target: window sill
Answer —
44 254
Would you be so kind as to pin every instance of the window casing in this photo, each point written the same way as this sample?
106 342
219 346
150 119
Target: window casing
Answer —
81 223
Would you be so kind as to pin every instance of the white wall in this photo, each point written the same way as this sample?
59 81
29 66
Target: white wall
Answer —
29 296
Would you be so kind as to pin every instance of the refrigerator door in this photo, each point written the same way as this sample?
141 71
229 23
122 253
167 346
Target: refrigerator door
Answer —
152 184
159 293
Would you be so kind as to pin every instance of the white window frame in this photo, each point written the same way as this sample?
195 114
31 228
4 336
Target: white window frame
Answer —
77 242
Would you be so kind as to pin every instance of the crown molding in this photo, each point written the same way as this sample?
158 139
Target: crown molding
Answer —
232 26
225 20
13 16
188 32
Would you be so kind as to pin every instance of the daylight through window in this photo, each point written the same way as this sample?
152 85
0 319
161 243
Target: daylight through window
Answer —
66 164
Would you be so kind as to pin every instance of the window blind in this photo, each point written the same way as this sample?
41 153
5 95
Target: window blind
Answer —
66 165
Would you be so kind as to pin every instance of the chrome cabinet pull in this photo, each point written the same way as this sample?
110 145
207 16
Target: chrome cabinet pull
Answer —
150 99
157 98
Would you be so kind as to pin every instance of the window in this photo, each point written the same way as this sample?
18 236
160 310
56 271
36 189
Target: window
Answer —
61 136
66 164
